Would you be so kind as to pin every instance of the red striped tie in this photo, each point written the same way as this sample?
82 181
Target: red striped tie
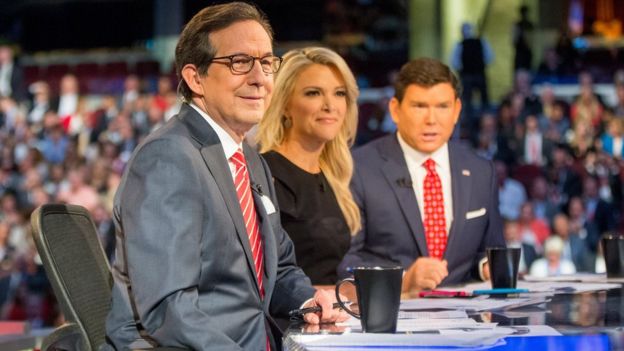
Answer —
435 222
243 190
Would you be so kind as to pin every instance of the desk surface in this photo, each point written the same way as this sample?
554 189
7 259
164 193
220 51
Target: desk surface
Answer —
588 321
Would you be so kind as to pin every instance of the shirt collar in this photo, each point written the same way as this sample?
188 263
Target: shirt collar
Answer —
230 146
440 156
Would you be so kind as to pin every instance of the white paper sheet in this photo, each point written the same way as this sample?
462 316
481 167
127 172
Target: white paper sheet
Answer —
591 282
444 338
432 315
481 303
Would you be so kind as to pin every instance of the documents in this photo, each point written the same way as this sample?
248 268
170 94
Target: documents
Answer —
552 285
479 304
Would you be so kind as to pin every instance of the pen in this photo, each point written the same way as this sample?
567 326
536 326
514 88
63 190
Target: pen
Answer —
500 291
302 311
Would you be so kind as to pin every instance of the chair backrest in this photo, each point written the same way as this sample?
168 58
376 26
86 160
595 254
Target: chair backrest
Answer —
76 265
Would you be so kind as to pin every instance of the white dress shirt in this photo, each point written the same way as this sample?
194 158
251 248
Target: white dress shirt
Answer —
227 142
417 171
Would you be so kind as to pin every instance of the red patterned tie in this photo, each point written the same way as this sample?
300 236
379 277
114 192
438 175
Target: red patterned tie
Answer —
243 190
435 223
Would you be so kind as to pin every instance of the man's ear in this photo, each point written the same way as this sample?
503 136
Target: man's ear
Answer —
191 77
458 107
393 106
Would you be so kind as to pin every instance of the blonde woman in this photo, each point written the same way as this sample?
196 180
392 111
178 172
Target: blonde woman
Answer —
305 137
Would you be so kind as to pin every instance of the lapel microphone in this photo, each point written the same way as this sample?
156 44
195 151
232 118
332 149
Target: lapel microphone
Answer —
404 182
257 188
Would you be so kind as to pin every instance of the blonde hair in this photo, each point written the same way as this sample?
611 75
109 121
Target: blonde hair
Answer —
335 160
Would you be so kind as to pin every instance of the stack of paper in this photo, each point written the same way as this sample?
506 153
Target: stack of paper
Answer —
481 303
552 285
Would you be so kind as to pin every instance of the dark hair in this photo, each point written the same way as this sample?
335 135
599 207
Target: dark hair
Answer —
425 72
194 45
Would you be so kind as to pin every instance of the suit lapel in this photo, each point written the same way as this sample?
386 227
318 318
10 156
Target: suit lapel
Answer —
214 157
396 174
461 188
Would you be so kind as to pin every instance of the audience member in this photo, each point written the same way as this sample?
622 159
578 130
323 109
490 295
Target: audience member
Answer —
612 141
598 212
41 103
522 39
534 230
511 193
69 102
618 109
574 248
305 137
513 238
541 196
536 147
78 192
563 175
550 69
11 75
557 123
470 58
552 264
579 224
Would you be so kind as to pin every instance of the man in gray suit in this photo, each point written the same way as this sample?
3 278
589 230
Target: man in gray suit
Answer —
202 259
427 204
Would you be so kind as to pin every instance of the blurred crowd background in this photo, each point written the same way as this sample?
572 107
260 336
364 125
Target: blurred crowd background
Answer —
82 82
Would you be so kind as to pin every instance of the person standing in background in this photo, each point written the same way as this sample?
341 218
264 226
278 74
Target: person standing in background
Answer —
521 36
11 75
470 57
305 137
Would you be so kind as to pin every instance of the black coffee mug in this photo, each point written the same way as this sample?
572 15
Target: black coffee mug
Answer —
503 263
613 251
378 292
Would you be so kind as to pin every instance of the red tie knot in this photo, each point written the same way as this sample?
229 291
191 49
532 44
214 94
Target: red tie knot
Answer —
238 158
430 165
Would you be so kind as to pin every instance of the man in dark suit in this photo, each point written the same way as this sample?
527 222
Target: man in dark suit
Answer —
427 204
11 75
202 261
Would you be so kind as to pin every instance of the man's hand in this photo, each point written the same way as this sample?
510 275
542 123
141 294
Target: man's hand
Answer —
328 314
425 273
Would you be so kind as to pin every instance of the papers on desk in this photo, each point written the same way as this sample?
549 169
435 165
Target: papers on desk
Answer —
551 285
443 338
474 338
450 327
424 324
479 304
578 277
432 315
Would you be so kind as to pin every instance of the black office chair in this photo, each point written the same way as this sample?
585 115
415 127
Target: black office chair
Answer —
67 241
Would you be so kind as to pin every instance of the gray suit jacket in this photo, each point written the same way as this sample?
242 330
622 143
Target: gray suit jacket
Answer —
184 274
392 230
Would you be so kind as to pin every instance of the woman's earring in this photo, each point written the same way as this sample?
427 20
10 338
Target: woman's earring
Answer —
286 122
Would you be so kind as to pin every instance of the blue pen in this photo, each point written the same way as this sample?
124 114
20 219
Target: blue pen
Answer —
500 291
